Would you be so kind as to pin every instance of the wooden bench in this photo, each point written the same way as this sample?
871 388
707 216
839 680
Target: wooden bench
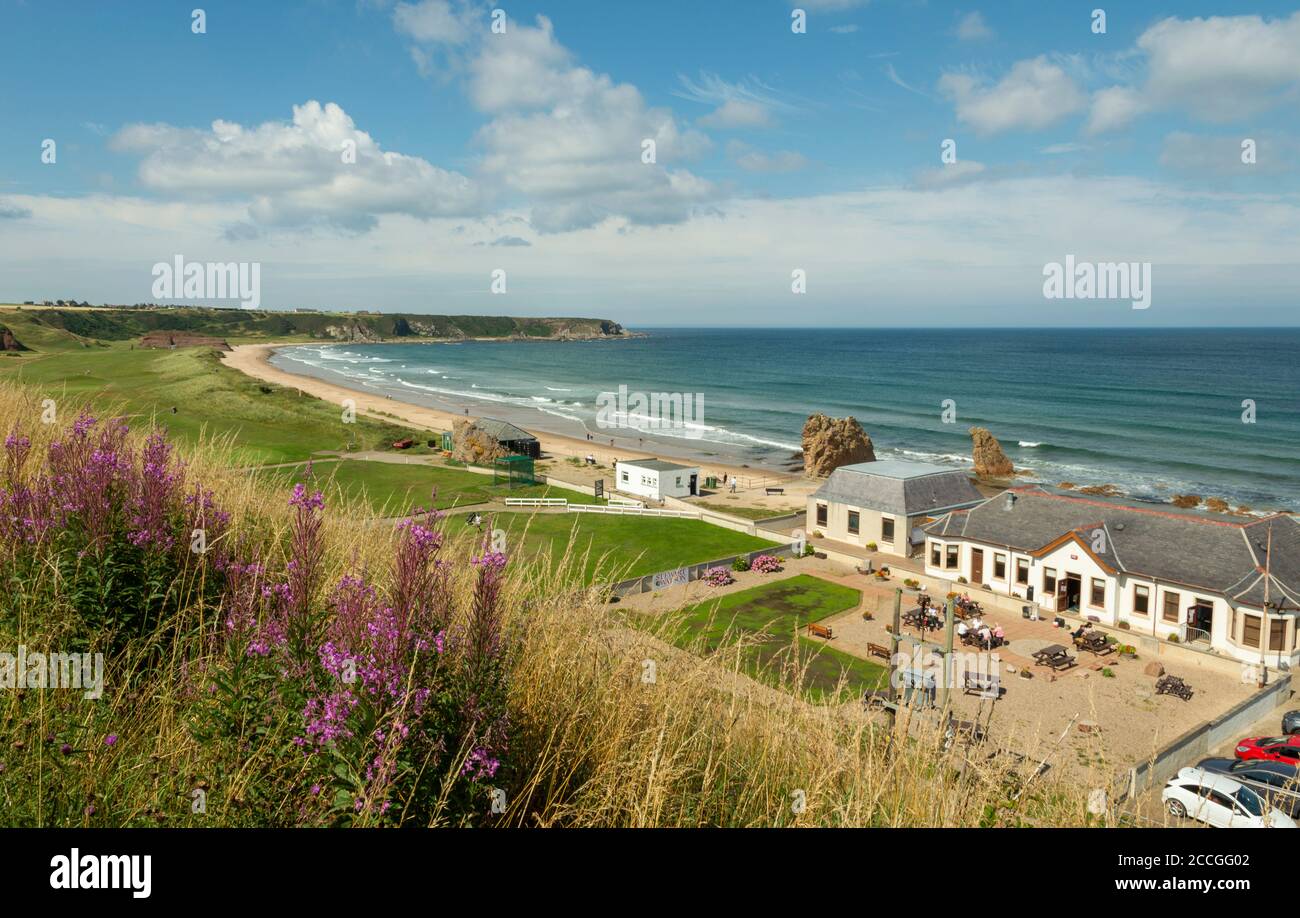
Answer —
877 650
821 631
772 491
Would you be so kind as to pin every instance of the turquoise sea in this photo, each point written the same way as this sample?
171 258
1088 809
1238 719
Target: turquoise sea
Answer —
1155 412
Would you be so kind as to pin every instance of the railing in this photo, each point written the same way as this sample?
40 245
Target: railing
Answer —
536 502
1192 635
633 511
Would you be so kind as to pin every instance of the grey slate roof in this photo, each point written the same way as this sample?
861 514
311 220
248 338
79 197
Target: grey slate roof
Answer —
1218 553
502 431
658 465
904 488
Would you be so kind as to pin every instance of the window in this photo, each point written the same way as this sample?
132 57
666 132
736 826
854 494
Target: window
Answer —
1277 634
1250 630
999 567
679 481
623 476
821 514
1097 595
1049 581
1141 599
887 530
936 554
952 559
854 522
1170 613
1022 571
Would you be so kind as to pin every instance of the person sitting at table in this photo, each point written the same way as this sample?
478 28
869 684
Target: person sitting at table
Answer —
976 622
986 637
999 636
962 629
1082 629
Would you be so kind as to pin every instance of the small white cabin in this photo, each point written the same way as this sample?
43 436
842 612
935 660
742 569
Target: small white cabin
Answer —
656 479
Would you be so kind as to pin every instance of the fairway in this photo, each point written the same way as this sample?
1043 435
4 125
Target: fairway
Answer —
269 424
780 611
393 488
621 547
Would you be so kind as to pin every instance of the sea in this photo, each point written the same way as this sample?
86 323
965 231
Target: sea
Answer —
1155 412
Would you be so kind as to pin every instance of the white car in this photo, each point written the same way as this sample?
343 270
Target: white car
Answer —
1220 801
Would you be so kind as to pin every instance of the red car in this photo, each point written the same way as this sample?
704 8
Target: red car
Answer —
1274 748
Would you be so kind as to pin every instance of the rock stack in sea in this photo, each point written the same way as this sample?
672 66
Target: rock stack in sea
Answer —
474 446
829 443
990 460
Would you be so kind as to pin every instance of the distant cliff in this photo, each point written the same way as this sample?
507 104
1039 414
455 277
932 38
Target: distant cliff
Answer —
123 324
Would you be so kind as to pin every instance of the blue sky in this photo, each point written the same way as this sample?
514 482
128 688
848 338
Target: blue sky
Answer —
776 151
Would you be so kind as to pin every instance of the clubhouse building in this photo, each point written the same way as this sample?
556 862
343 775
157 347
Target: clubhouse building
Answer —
885 502
1157 570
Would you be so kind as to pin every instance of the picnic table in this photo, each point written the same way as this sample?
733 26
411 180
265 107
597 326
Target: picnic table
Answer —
1094 642
1054 656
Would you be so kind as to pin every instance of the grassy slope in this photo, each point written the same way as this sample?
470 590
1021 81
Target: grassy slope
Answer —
392 489
639 545
779 611
274 426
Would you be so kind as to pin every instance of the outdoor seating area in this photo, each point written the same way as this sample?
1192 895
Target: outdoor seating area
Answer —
1055 657
1094 642
1173 685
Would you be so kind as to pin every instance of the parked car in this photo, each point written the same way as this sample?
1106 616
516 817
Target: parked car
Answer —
1276 748
1219 801
1291 723
1277 782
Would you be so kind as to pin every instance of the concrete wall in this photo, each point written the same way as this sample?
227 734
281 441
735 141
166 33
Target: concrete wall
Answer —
695 571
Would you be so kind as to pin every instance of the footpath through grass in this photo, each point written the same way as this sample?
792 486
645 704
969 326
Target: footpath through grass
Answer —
635 545
779 611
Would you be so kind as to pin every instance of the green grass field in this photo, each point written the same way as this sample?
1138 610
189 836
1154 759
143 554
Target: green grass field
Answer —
779 611
268 423
393 488
637 545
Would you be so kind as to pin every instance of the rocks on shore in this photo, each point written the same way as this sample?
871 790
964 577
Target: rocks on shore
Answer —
990 460
182 339
829 443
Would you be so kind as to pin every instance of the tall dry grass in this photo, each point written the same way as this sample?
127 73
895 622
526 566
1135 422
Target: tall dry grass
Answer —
592 742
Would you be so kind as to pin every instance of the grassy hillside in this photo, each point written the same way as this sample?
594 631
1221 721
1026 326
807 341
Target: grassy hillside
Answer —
109 324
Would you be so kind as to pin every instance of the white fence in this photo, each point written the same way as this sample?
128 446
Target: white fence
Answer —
633 511
624 502
536 502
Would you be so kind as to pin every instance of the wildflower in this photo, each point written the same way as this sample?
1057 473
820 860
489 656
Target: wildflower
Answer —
110 740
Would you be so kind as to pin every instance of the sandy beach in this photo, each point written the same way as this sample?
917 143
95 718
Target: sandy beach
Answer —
254 360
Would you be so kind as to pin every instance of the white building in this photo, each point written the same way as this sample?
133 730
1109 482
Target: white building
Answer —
882 503
1155 570
656 479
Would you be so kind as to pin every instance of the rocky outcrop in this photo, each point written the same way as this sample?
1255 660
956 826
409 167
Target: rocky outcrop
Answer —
473 446
353 331
829 443
990 461
8 342
182 339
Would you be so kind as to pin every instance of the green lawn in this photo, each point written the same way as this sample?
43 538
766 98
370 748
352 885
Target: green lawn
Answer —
780 610
627 546
393 488
748 513
269 423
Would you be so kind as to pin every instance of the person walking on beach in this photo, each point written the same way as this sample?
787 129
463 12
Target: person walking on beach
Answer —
733 486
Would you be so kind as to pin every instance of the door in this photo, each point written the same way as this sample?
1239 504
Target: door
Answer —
1215 808
977 565
695 481
1073 585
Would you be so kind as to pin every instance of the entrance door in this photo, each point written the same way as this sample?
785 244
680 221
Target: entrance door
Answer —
977 565
1070 590
1200 620
695 480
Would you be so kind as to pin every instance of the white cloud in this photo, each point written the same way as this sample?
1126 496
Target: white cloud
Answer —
435 21
1205 154
1219 70
964 170
972 27
569 140
737 113
749 103
752 160
1113 108
1035 94
293 174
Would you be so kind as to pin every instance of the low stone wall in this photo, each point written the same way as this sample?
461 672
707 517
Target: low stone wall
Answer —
1200 742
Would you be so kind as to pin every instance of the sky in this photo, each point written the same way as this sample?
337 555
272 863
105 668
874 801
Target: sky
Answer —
918 163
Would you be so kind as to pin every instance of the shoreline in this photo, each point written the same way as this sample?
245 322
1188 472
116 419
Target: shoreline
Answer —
254 360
